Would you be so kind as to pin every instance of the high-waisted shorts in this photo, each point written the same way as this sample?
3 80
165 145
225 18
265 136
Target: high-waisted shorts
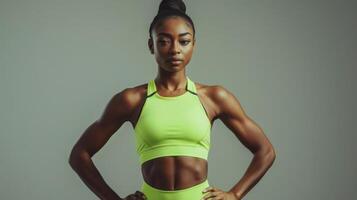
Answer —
191 193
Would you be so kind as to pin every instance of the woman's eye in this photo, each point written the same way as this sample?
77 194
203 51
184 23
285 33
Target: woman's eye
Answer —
185 42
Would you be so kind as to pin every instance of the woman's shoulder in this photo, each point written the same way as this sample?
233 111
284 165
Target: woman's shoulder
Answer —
213 90
220 99
215 93
135 93
129 98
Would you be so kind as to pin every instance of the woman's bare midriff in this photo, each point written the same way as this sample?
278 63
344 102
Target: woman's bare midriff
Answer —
174 172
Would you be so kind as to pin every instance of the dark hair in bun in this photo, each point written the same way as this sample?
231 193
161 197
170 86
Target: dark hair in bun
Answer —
171 8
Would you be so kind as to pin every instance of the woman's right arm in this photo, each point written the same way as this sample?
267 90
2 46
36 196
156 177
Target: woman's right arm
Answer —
116 112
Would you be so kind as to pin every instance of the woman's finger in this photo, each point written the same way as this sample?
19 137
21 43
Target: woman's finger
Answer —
134 196
141 194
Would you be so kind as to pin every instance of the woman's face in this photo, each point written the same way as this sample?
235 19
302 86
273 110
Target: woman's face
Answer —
172 43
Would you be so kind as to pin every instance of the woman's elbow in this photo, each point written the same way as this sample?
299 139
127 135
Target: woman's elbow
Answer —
271 154
77 157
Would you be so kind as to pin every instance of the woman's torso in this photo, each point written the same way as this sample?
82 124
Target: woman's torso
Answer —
174 172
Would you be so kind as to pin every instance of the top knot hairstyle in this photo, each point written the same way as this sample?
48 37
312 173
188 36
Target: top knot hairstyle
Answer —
171 8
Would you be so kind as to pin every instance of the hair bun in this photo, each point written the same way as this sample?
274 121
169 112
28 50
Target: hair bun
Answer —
177 5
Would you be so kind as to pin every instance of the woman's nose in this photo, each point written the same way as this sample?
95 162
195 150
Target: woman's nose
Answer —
175 48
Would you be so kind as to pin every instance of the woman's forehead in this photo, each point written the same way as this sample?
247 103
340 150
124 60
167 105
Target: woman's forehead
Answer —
173 26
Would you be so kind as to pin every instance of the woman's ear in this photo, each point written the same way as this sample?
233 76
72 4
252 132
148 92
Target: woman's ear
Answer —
150 44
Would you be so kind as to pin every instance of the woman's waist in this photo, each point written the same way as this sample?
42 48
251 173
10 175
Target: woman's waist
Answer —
177 172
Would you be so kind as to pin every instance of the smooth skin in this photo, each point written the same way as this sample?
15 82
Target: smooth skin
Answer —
173 38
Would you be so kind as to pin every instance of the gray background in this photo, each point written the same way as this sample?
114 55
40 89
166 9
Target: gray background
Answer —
291 64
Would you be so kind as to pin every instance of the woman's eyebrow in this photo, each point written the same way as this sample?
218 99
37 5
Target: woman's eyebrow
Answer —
168 34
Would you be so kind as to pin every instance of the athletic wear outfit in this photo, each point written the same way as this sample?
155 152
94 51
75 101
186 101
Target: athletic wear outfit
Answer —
173 126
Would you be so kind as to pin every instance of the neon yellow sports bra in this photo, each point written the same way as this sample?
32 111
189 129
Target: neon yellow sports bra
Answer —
172 126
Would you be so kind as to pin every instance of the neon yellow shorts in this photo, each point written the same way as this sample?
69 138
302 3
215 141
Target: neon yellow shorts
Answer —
191 193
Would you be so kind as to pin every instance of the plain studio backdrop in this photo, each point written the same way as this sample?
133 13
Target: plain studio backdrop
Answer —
291 64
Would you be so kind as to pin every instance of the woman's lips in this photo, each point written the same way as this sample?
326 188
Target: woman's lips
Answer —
175 62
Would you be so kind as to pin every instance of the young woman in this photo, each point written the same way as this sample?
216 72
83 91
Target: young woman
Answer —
172 117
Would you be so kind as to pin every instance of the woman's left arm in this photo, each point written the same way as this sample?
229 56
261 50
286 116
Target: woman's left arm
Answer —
250 135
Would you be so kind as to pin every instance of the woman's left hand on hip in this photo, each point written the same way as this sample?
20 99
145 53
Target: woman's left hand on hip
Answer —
213 193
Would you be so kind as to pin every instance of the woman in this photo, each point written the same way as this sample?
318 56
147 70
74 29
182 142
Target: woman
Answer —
172 117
